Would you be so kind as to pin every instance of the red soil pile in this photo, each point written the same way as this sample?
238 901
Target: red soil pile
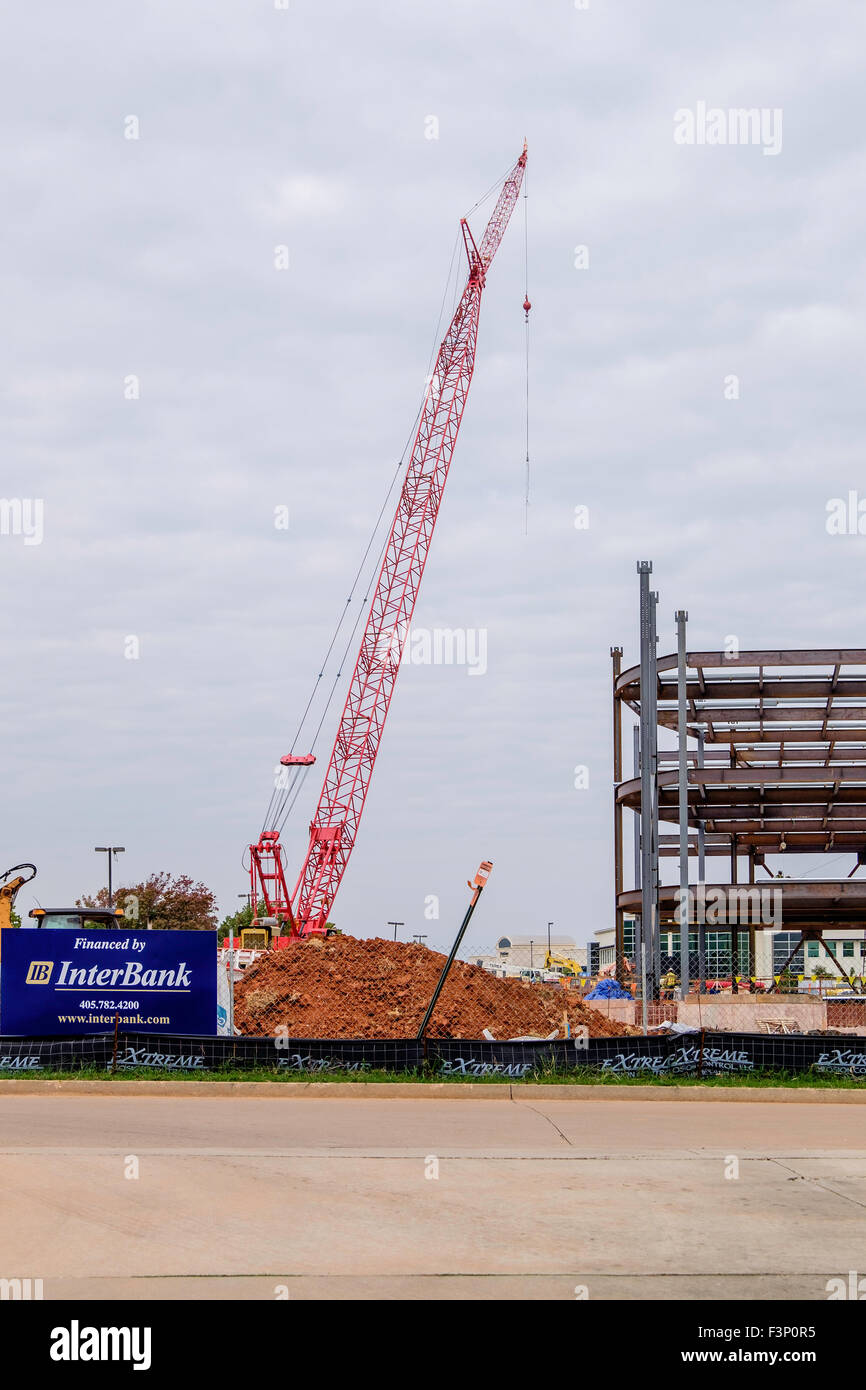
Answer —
345 987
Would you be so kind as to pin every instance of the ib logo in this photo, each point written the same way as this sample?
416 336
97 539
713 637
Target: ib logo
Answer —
39 972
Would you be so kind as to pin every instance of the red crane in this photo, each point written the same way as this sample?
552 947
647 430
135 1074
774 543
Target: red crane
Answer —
334 827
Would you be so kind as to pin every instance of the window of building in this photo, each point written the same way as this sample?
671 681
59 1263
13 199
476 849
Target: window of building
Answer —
783 944
847 948
675 942
628 937
672 961
719 955
813 949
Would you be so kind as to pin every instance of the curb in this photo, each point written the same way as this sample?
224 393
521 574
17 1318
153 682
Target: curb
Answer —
401 1090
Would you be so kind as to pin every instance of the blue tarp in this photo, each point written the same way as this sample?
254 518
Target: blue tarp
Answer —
608 989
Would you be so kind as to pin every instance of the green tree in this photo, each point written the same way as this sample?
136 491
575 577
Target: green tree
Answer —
165 902
234 924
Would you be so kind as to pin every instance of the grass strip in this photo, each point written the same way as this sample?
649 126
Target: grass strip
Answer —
575 1076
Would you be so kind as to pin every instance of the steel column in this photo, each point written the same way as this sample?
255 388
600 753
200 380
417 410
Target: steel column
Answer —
702 878
639 952
683 791
636 764
647 778
616 656
654 749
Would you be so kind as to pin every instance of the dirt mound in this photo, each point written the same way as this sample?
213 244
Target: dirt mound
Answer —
345 987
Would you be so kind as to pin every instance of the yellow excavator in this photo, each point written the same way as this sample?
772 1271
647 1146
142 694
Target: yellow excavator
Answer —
565 964
10 883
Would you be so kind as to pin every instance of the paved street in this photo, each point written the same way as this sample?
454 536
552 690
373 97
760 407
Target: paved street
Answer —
331 1198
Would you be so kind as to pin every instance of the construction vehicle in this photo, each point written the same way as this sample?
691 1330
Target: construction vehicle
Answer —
62 918
257 938
334 827
11 883
562 965
77 918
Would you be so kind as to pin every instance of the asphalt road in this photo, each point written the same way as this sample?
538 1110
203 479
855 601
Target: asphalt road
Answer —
247 1198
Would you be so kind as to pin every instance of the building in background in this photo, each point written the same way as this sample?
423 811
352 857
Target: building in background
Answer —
515 953
772 949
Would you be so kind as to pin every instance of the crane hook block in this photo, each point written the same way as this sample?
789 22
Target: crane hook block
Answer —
526 306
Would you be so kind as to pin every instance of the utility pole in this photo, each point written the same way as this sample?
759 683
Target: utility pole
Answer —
110 850
395 925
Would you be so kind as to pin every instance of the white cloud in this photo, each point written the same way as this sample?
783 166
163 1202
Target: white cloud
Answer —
257 388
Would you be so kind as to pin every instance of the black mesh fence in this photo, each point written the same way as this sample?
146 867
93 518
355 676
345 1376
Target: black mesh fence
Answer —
701 1053
21 1055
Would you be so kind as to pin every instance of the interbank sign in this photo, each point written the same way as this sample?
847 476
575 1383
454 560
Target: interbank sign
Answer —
67 982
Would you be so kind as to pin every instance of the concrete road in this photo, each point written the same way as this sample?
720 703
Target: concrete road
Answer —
139 1198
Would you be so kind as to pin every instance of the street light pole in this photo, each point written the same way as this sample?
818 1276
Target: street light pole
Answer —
109 850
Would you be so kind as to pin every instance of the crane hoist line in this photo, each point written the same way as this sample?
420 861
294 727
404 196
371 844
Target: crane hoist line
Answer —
334 827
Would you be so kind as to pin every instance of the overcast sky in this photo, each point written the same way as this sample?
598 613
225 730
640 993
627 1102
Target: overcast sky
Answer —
154 258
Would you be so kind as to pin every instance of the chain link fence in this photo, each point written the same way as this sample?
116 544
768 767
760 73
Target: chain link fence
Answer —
742 979
346 987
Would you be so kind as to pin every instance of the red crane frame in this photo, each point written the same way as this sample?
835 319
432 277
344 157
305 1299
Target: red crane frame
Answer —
334 827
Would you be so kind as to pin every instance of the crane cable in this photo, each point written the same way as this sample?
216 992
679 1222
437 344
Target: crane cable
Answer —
281 794
362 607
283 797
494 187
526 308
